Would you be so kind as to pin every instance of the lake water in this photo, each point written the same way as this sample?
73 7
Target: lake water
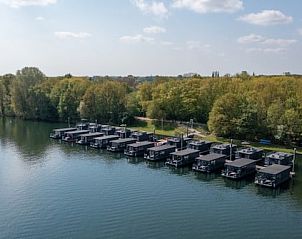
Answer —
54 190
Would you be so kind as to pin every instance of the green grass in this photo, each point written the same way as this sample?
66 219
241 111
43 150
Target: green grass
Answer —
169 129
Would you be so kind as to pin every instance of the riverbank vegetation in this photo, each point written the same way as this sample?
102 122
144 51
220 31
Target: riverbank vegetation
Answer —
240 106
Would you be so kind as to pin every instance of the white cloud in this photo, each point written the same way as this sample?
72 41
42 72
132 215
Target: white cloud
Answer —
40 18
155 8
154 30
252 38
205 6
136 39
26 3
66 35
196 45
266 50
272 42
267 18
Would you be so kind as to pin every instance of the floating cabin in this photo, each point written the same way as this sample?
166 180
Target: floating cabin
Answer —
73 136
182 157
59 133
203 146
93 128
179 142
279 158
209 163
103 142
119 145
86 139
142 136
82 126
273 175
159 152
123 133
225 149
252 153
138 149
108 130
239 168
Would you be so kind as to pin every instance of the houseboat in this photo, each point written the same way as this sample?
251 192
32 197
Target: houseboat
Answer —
209 163
239 168
179 143
251 153
123 133
103 142
86 139
203 146
138 149
159 152
225 149
82 126
279 158
119 145
108 130
93 128
273 175
182 157
142 136
73 136
59 133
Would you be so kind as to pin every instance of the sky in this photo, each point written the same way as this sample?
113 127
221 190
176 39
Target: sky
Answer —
151 37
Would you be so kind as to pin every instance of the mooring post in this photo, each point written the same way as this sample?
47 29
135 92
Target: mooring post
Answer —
181 141
294 160
231 150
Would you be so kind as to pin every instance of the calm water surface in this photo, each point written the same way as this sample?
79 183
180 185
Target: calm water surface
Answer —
54 190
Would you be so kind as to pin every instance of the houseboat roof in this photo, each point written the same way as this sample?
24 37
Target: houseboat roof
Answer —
64 129
211 157
240 162
162 147
185 152
223 146
200 142
124 140
107 137
274 169
78 132
279 155
92 134
178 139
250 150
139 144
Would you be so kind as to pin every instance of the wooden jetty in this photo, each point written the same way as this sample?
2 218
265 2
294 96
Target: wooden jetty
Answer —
138 149
86 139
59 133
273 175
182 157
119 145
239 168
73 136
209 163
159 153
103 142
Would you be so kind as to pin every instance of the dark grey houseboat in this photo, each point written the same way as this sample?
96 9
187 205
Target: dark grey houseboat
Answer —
93 128
138 149
59 133
73 136
203 146
142 136
251 153
159 152
273 175
183 157
119 145
279 158
82 126
239 168
108 130
123 133
225 149
86 139
209 163
179 142
103 142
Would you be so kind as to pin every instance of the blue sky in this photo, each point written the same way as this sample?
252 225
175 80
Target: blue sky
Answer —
151 37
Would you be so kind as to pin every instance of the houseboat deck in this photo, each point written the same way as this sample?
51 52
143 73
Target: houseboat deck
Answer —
183 157
239 168
138 149
209 163
159 152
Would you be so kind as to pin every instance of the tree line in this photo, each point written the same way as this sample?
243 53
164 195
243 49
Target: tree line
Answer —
242 106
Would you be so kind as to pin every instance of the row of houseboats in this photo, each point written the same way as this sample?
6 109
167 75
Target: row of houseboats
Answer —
271 170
